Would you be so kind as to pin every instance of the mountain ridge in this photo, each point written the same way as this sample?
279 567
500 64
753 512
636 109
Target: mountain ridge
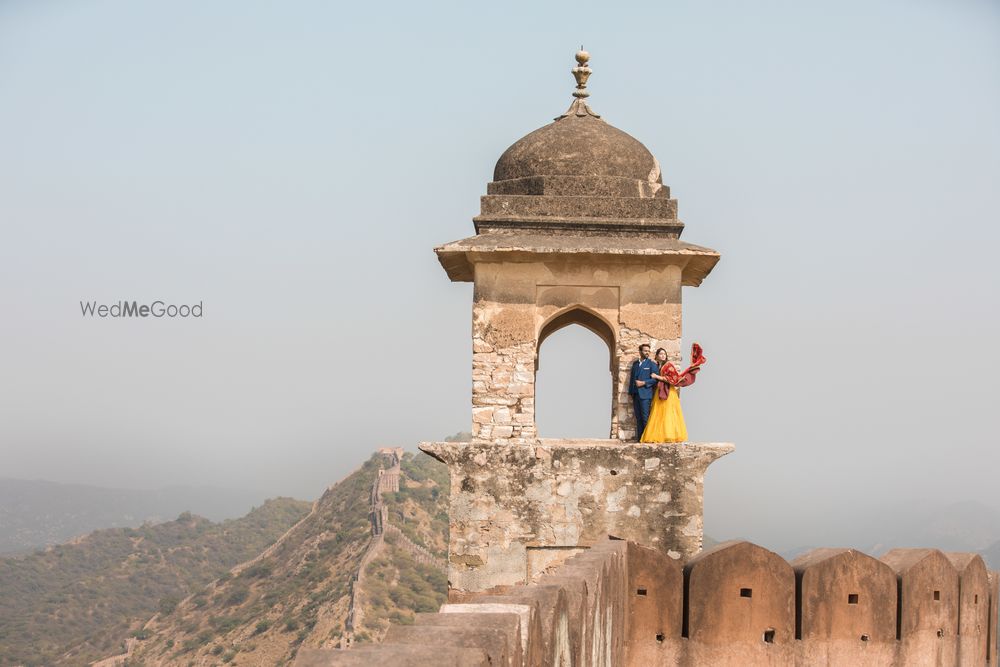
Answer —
37 513
74 603
309 589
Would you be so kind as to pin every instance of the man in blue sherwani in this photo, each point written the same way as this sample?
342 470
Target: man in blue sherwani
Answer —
641 386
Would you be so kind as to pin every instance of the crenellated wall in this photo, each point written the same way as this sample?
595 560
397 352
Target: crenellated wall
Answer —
973 607
736 604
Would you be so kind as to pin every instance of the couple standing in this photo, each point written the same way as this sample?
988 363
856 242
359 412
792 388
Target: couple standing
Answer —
655 389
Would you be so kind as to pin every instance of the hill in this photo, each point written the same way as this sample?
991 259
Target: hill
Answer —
963 526
992 556
35 514
366 555
74 603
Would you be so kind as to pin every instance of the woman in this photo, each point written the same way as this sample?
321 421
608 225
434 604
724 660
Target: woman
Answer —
666 421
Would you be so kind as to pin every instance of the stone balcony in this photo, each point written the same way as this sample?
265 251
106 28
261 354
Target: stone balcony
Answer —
518 509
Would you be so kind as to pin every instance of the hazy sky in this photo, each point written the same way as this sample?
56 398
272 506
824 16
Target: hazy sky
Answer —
292 165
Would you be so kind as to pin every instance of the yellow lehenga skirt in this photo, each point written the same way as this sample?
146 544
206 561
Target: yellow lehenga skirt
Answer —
666 421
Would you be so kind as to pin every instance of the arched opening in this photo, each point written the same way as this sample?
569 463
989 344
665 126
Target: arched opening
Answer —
574 387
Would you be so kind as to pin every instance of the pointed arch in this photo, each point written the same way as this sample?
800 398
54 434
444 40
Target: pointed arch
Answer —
594 322
586 318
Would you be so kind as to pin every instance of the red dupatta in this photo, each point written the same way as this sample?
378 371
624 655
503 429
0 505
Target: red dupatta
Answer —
685 379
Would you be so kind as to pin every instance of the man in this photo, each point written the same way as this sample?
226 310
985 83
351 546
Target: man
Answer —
641 386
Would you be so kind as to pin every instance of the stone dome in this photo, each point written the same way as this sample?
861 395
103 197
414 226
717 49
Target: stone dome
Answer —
578 144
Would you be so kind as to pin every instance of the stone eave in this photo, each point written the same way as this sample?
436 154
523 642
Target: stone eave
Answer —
459 257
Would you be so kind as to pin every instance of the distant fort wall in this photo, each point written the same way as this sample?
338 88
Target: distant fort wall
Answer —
386 481
618 603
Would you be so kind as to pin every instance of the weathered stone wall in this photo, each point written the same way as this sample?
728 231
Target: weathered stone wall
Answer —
618 604
928 606
992 643
656 607
739 601
845 607
517 510
518 304
973 607
573 616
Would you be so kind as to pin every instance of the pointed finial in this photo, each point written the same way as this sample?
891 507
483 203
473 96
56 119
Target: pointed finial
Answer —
581 73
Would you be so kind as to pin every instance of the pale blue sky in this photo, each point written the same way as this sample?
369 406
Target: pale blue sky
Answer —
293 164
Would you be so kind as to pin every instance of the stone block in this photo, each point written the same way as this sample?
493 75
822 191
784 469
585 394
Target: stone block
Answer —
479 345
508 624
550 606
845 594
992 644
644 211
928 586
380 654
566 493
490 640
655 606
576 592
740 593
973 607
604 569
846 604
531 632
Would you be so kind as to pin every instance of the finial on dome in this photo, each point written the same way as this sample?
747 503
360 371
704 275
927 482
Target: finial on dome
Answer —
581 73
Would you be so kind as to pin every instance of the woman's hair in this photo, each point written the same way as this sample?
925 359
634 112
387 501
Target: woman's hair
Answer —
660 349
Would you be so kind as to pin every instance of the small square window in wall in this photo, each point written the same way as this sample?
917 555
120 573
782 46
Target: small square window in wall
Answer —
746 592
852 598
937 595
640 591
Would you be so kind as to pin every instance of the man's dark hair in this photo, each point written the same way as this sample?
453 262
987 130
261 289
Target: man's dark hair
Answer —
643 345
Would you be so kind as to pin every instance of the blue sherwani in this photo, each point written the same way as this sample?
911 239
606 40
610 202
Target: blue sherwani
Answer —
642 397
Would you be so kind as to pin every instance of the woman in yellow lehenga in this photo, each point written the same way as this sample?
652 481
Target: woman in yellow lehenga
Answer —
666 421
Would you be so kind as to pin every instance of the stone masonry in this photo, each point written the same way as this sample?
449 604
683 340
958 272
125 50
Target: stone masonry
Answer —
588 552
517 510
576 228
619 604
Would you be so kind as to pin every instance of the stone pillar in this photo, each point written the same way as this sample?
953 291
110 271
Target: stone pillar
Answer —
503 356
518 509
629 340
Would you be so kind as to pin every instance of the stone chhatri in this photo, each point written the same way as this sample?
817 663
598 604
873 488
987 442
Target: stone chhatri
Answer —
586 552
576 228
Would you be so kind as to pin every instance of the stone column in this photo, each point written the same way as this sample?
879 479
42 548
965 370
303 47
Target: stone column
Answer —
503 372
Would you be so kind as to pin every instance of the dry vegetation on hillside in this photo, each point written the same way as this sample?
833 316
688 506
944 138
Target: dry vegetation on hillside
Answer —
299 593
76 602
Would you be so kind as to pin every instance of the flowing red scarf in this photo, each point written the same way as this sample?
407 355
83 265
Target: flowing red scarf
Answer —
685 379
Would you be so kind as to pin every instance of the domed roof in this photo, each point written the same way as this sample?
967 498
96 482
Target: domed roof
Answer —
578 143
578 146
